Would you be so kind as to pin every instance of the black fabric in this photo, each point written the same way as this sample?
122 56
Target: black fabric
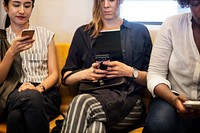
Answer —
14 74
102 84
109 42
36 109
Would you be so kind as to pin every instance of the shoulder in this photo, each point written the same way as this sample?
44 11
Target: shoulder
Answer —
81 28
133 25
80 31
135 28
42 34
177 21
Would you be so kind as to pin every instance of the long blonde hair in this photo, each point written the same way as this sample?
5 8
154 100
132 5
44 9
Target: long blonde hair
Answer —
96 25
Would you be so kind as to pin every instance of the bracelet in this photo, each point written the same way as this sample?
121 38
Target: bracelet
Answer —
42 87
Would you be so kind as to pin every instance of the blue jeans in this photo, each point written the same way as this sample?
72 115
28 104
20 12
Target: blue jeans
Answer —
163 118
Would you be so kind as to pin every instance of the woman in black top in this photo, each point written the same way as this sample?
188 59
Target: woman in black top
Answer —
129 46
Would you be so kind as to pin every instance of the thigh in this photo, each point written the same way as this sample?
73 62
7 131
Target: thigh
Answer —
18 100
162 117
84 111
133 119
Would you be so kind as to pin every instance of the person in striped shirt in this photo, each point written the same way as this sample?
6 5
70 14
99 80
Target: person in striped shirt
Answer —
34 100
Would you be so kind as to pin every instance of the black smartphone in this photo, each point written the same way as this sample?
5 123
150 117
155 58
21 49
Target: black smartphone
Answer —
101 58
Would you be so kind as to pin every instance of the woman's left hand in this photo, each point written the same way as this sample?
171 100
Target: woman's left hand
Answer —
182 110
117 69
26 86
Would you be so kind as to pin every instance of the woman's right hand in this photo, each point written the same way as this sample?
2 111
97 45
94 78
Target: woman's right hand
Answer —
94 73
20 44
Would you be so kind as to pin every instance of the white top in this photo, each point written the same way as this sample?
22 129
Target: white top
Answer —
175 59
34 60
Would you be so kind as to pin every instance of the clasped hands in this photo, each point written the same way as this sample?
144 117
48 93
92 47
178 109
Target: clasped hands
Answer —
29 86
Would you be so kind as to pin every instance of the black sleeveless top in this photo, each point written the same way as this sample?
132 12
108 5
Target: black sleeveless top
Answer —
109 43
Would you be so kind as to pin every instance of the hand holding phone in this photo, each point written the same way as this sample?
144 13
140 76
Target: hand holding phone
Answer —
101 58
28 32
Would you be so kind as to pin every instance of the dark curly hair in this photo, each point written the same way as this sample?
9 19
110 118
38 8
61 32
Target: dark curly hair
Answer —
7 22
183 3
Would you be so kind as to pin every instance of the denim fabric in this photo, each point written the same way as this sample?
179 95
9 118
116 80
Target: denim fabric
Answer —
163 118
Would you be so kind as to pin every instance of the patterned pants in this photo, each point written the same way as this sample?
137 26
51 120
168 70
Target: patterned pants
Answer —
86 115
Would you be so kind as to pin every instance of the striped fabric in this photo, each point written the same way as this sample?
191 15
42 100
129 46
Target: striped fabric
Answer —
83 111
132 117
34 60
86 115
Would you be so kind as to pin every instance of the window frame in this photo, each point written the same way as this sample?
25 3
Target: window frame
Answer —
131 9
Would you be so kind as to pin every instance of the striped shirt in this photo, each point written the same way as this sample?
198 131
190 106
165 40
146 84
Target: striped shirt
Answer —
35 59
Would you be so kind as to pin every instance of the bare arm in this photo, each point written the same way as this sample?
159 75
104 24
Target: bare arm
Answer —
5 65
115 69
162 91
52 78
91 73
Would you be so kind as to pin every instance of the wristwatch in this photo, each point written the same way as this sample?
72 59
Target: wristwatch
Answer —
135 73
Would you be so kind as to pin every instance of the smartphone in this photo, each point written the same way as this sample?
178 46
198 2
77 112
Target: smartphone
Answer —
192 104
101 58
28 32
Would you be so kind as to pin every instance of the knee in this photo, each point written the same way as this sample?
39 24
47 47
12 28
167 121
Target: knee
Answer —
32 95
153 126
82 99
161 122
161 118
83 102
33 98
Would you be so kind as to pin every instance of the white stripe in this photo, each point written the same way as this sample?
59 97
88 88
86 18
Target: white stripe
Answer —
81 113
73 114
93 127
34 60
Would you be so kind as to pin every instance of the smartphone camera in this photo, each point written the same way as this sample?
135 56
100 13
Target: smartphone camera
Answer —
101 58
